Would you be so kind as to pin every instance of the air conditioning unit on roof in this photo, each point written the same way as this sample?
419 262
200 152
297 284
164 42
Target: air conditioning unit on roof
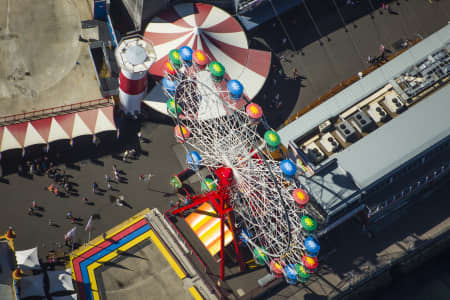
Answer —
394 104
377 113
346 131
314 153
362 121
329 143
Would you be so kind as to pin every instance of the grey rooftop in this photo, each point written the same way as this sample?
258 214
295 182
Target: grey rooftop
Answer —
397 142
388 147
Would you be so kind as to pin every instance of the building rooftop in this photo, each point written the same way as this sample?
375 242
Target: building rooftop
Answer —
398 141
376 125
363 88
332 189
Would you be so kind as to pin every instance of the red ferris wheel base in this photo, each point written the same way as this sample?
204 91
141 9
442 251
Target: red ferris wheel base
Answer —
220 200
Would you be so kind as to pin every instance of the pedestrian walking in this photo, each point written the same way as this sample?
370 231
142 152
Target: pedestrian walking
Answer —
132 153
369 59
404 44
125 155
34 204
141 177
104 236
294 73
109 186
284 41
107 179
85 200
94 187
116 175
50 223
148 177
139 135
73 220
171 203
382 50
30 211
69 215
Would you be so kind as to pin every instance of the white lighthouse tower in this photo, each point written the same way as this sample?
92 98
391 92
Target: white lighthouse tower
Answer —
134 57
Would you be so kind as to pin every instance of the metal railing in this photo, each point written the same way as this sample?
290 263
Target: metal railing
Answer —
51 111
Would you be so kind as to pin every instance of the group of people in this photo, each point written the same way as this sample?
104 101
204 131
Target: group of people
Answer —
34 167
129 154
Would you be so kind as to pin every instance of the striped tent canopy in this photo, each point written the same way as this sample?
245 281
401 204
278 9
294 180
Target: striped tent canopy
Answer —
45 131
213 30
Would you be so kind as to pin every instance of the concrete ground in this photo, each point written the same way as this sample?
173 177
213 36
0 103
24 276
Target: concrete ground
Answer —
142 272
39 48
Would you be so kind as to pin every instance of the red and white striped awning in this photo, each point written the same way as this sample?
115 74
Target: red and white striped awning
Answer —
68 126
213 30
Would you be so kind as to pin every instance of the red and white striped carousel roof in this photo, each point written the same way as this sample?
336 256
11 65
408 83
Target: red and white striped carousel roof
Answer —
61 127
213 30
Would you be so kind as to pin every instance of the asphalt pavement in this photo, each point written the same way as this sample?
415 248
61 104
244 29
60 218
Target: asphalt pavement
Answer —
331 43
84 167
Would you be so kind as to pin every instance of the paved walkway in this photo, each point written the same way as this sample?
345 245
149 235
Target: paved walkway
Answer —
42 62
330 53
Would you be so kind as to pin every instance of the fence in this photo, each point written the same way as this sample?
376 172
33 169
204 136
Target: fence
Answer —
51 111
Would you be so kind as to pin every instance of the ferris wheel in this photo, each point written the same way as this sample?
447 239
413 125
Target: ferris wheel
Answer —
218 128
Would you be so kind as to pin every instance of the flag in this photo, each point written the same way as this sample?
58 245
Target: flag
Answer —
89 224
70 234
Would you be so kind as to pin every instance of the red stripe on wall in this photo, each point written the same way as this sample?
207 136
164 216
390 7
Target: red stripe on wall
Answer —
132 87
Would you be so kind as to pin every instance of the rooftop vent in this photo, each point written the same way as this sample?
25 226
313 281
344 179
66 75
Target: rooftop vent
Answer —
329 143
325 126
314 153
362 121
377 113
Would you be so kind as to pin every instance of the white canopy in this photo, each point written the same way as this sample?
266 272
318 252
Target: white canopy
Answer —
60 281
70 297
32 286
28 259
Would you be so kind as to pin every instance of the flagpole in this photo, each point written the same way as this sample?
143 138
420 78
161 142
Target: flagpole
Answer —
73 238
89 227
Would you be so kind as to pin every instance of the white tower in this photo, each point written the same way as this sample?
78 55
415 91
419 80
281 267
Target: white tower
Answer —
134 57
